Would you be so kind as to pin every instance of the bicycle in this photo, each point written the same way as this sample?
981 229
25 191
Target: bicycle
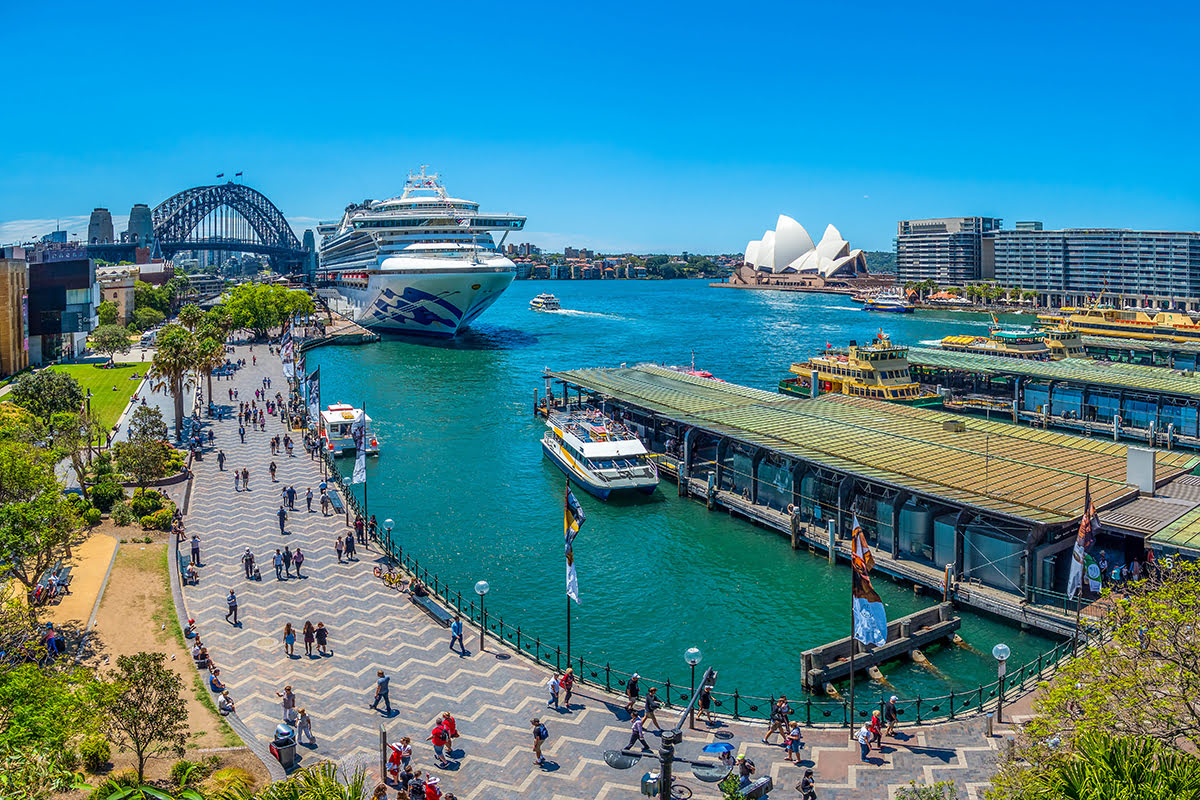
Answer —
391 578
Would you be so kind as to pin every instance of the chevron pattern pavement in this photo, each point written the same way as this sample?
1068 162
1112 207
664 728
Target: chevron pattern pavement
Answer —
492 694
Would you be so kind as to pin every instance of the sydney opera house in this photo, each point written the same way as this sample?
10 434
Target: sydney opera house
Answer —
790 250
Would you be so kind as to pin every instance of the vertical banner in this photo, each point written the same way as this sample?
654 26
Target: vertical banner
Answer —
314 397
870 617
358 431
287 354
1083 540
573 518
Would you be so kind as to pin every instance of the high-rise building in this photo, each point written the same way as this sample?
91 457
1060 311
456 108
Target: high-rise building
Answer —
310 261
948 250
141 228
14 310
1122 267
100 227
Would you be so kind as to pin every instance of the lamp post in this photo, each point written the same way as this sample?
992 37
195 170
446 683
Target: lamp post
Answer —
481 588
692 656
387 526
1001 653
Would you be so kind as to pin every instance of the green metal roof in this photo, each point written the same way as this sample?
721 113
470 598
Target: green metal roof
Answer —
1027 473
1154 380
1182 534
1141 345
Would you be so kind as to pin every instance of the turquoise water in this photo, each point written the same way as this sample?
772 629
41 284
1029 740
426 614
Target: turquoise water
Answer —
463 476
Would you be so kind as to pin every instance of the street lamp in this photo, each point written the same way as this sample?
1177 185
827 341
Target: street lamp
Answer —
387 526
692 656
1001 653
481 588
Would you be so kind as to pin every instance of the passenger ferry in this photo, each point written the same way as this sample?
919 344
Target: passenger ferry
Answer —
545 302
1130 323
1025 343
336 421
599 454
889 303
1064 342
423 263
879 370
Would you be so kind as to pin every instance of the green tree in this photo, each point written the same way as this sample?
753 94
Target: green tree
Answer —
210 354
108 312
190 316
219 321
143 711
144 456
36 520
46 706
174 358
146 295
261 307
71 434
146 318
46 392
110 340
35 773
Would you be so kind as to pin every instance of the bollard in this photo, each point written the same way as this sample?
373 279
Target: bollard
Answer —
990 722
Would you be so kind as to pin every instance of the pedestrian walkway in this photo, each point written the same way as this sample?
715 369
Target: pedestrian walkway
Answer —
493 694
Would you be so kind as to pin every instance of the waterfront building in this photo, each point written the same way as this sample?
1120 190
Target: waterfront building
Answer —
947 250
100 227
789 249
62 302
1080 266
116 285
14 288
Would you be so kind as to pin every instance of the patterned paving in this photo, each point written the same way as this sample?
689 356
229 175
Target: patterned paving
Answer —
492 695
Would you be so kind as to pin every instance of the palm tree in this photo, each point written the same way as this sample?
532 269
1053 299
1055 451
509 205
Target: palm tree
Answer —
210 354
190 316
318 782
174 358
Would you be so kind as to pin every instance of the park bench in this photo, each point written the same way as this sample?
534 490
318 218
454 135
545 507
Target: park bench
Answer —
336 500
41 590
433 609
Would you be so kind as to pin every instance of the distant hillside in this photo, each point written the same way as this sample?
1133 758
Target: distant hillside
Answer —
881 261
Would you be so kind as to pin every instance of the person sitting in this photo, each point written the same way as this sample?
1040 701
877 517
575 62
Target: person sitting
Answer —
189 632
225 704
214 681
197 649
418 589
193 574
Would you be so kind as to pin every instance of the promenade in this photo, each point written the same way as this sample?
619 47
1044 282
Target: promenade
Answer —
492 695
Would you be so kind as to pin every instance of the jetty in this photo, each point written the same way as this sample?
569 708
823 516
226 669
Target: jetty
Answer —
337 329
990 505
831 662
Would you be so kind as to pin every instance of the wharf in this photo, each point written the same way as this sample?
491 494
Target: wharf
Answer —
339 330
1150 352
995 503
831 662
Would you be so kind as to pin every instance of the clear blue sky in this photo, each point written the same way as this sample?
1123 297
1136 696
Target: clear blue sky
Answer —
652 127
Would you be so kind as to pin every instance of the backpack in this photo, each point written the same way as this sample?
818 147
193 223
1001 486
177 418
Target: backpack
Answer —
542 733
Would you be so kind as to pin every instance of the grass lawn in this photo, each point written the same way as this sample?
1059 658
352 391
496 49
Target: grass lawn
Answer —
107 405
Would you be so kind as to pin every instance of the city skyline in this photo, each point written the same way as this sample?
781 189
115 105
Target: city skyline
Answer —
666 132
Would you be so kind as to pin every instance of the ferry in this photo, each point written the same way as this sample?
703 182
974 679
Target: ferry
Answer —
545 302
879 370
423 263
888 303
1064 342
1129 323
336 421
1024 343
599 454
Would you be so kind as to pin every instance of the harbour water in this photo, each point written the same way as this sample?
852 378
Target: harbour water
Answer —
462 475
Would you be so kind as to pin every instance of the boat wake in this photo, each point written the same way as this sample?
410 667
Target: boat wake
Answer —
930 342
573 313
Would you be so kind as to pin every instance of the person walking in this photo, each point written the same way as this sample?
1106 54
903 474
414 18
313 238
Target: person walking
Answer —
807 786
876 726
297 560
540 735
863 737
440 738
289 639
632 692
791 743
289 704
291 496
567 682
705 700
221 460
653 704
287 561
242 433
196 550
359 526
309 637
553 686
637 731
338 547
304 727
322 634
451 726
231 601
272 469
456 635
351 553
308 498
324 504
381 693
282 520
779 714
277 560
245 479
248 563
890 715
237 481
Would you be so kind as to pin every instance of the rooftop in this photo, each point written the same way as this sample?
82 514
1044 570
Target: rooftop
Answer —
1025 473
1141 345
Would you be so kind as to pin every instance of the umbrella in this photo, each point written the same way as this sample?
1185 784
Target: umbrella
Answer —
718 747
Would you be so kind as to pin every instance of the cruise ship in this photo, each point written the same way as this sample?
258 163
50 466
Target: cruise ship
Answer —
423 263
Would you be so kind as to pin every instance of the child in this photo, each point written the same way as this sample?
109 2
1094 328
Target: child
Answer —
791 743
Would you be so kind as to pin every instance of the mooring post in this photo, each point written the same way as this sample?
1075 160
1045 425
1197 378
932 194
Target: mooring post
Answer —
794 519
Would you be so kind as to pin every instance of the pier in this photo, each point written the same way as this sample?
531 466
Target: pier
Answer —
339 330
831 662
993 505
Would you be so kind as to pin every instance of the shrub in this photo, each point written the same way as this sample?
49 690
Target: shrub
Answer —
95 753
116 784
175 462
145 503
229 780
107 494
92 517
102 465
123 515
69 759
158 521
186 773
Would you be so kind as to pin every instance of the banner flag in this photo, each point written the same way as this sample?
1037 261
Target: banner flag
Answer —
1083 540
573 518
287 354
870 618
314 398
358 431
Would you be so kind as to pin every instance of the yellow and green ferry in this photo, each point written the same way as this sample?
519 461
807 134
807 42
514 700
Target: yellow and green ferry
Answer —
878 370
1129 323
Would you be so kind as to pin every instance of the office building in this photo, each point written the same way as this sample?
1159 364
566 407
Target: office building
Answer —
948 250
62 301
14 308
116 285
55 237
100 227
1121 267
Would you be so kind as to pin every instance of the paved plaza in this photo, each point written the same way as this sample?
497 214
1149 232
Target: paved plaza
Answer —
492 694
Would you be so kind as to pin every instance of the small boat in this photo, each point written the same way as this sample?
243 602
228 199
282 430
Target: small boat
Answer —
336 422
888 303
600 455
545 302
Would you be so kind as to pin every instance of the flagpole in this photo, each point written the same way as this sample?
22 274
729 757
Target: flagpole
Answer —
366 516
566 507
852 645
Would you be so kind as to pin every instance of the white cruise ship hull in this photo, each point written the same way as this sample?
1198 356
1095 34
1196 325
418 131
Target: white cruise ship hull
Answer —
423 296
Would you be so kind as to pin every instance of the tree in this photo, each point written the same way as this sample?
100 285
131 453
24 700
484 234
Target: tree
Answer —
146 318
143 712
190 316
174 357
47 392
147 296
36 520
260 307
45 706
210 354
108 313
144 456
110 340
71 434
